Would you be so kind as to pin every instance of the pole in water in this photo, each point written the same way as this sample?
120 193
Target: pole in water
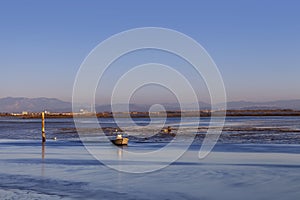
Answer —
43 127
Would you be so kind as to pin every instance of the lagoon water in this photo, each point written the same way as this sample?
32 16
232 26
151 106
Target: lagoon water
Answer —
255 158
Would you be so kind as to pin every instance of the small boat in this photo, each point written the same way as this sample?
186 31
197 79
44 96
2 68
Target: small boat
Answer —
167 130
119 141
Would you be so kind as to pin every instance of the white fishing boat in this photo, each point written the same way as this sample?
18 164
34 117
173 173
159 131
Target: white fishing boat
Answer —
120 140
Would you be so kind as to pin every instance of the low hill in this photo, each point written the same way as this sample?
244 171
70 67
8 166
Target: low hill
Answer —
11 104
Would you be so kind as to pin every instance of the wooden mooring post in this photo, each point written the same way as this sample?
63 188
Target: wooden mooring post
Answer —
43 128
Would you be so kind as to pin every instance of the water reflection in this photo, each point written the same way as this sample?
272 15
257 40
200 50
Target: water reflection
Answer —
43 159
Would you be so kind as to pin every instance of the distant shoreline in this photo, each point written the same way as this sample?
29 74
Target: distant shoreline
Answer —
229 113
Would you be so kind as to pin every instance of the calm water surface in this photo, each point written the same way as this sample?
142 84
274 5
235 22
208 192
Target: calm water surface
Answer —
255 158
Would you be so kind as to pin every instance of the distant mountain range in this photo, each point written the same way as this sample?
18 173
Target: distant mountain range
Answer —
248 105
12 104
145 107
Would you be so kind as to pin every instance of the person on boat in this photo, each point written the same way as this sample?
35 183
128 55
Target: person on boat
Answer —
169 129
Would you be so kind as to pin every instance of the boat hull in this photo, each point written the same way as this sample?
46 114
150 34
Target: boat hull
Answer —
120 142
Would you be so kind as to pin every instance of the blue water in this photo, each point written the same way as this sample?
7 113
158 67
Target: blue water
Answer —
255 158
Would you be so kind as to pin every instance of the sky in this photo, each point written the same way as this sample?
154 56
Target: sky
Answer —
255 44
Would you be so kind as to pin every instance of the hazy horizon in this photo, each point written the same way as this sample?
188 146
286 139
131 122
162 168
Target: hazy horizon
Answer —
163 102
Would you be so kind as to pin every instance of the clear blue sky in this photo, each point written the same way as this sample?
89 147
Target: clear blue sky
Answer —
255 44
